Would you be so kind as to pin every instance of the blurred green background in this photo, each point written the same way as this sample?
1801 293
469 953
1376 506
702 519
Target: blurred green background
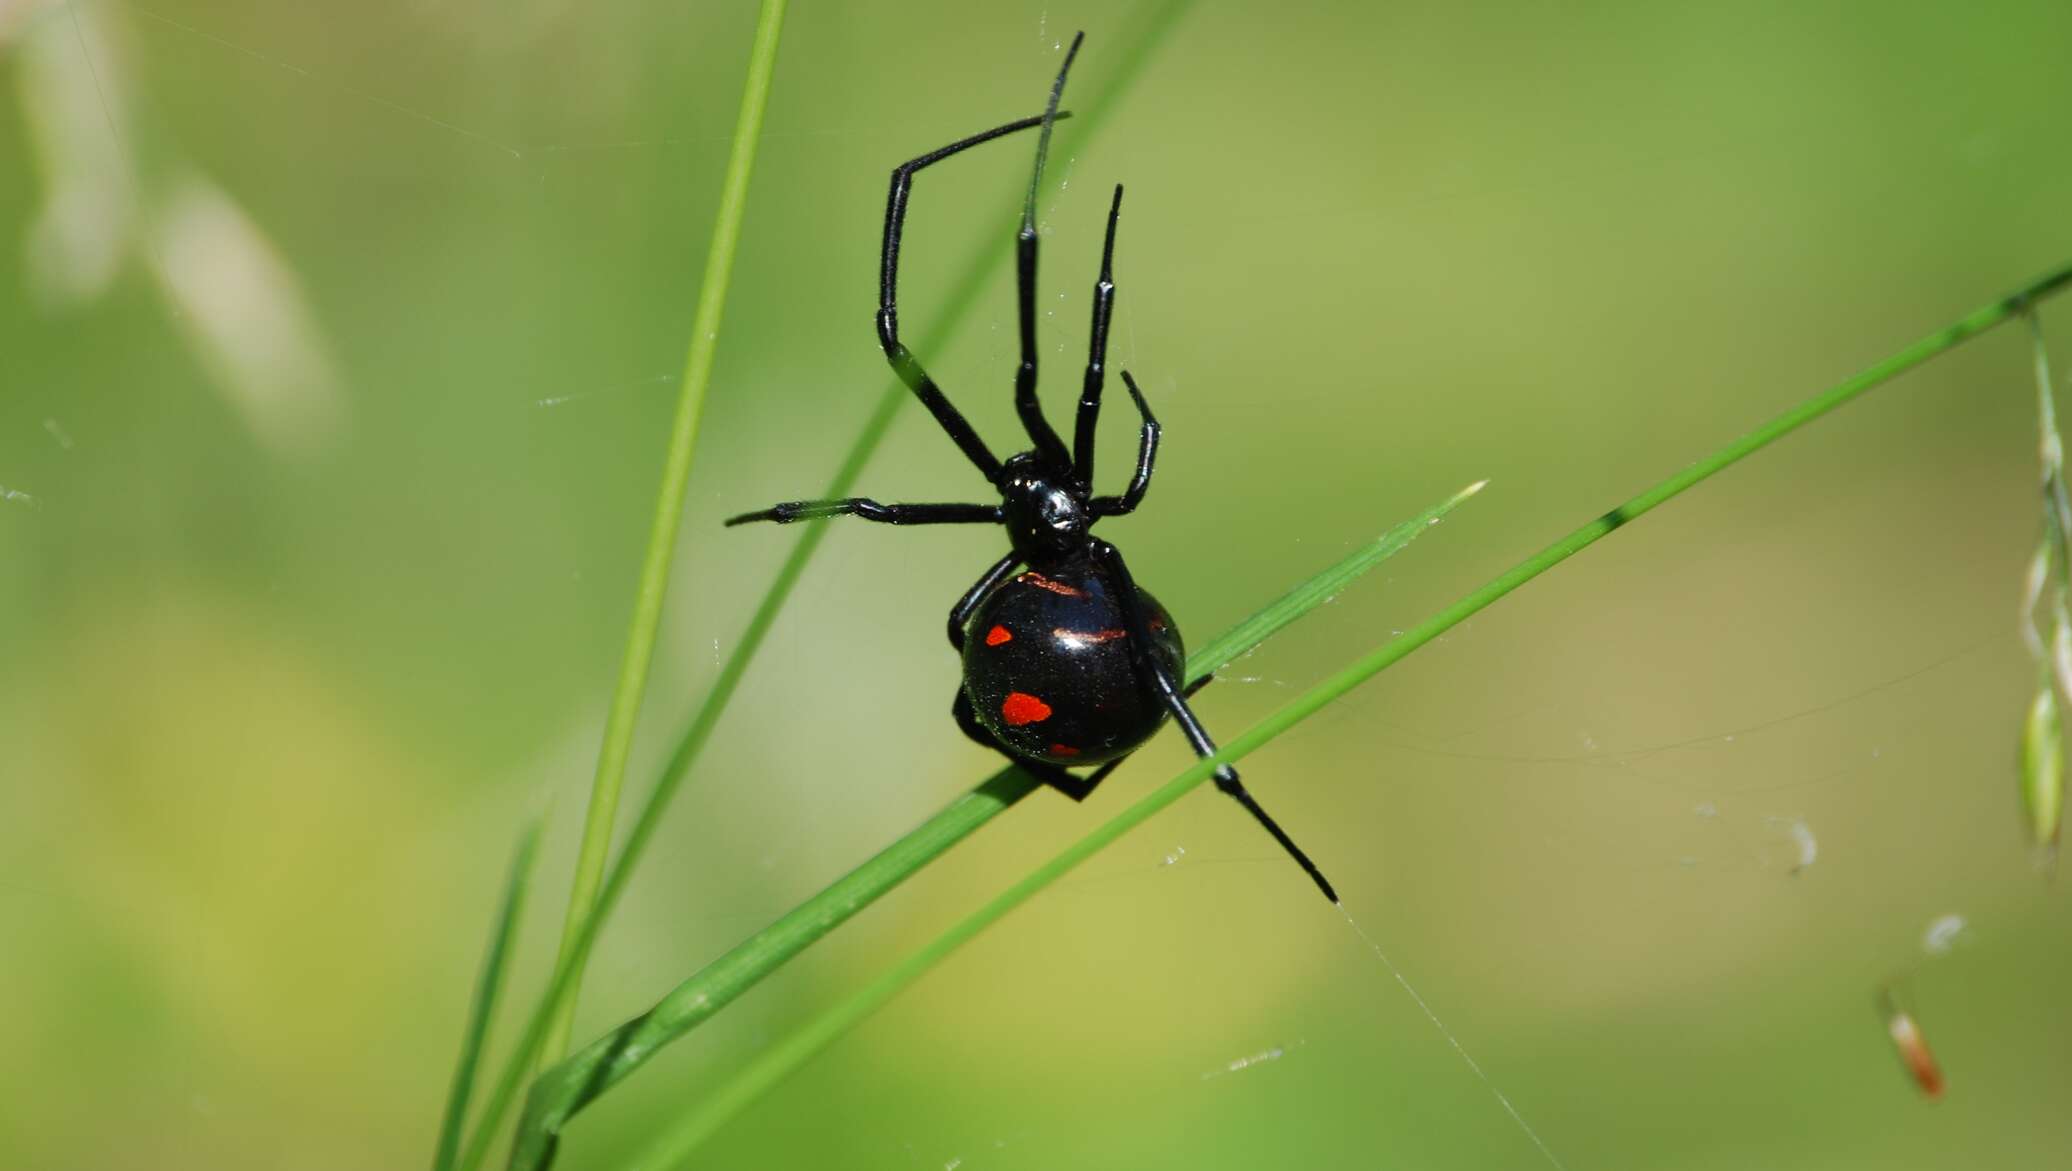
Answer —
336 348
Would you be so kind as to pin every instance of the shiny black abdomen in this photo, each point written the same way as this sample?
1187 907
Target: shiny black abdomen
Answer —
1047 666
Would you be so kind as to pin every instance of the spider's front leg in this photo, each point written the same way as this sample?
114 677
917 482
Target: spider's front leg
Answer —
903 362
1147 458
1096 355
891 514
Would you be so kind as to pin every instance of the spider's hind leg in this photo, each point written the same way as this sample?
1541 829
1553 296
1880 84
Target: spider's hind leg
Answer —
1175 699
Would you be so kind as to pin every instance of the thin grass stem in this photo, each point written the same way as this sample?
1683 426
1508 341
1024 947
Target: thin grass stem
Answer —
496 962
661 548
547 1032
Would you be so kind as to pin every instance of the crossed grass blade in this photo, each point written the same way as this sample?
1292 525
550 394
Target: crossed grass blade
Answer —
592 1070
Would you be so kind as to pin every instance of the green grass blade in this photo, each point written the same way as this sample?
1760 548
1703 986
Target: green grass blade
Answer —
774 1064
488 986
661 548
1247 635
565 1089
1133 53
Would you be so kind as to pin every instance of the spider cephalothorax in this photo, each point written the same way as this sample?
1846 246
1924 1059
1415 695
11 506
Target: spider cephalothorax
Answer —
1068 663
1046 511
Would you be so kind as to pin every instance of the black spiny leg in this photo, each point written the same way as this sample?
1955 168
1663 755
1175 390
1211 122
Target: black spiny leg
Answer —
1226 776
891 514
960 614
1147 456
1096 356
1040 432
902 360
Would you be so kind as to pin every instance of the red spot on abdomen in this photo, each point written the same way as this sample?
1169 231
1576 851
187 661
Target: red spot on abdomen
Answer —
998 635
1063 750
1022 708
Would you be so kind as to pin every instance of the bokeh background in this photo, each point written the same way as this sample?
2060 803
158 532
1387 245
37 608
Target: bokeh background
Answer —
337 343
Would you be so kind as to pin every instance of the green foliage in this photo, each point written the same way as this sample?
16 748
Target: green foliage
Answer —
496 964
2044 599
2043 767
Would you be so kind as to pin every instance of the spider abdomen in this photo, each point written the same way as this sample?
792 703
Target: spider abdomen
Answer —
1049 671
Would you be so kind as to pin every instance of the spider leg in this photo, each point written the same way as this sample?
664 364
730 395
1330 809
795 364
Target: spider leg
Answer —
1040 432
1096 355
1176 701
1147 455
891 514
903 362
960 614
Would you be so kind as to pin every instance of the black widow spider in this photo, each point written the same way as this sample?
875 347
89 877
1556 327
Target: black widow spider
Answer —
1077 665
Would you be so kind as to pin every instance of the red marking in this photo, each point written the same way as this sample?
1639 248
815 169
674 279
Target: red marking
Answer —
998 635
1022 708
1063 750
1057 587
1087 637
